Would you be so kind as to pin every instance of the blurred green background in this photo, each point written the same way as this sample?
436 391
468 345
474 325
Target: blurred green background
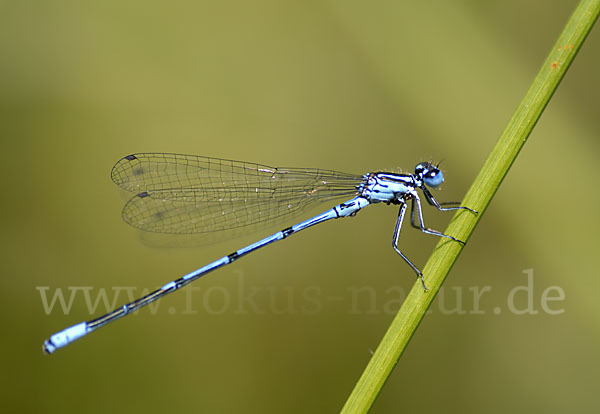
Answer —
348 85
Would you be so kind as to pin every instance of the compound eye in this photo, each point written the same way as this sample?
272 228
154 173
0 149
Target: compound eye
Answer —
433 178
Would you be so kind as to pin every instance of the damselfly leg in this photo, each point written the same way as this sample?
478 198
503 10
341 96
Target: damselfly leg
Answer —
395 243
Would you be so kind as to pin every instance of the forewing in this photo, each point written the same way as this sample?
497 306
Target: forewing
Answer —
191 194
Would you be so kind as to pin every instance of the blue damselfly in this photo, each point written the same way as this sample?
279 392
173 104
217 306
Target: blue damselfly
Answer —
176 193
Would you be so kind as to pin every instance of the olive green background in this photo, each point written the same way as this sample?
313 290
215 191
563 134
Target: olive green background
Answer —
348 85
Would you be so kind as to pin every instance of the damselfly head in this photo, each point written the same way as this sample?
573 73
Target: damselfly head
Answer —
429 173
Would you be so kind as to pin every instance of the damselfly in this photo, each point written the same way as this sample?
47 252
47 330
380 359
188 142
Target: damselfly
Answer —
177 193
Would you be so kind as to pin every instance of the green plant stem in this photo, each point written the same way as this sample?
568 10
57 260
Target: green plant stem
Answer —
478 197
